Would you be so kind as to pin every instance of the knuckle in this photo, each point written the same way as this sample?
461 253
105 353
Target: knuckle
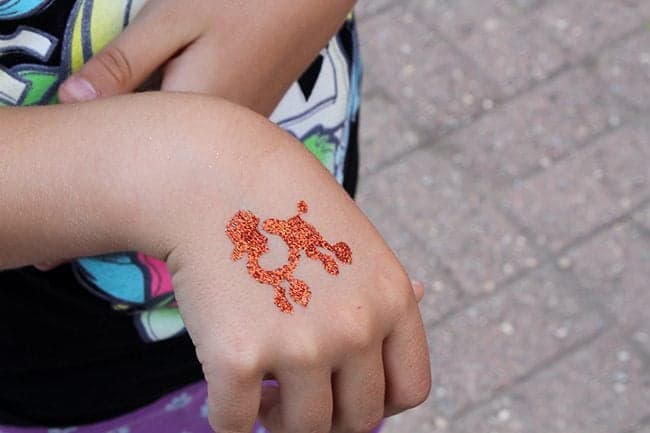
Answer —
116 64
401 299
358 327
366 424
395 285
318 424
361 338
305 354
416 394
241 364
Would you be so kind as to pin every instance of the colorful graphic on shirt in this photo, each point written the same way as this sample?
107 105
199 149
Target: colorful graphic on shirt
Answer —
28 84
322 144
92 25
317 111
14 9
326 107
137 284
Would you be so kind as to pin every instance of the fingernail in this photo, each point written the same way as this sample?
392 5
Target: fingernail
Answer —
417 283
78 89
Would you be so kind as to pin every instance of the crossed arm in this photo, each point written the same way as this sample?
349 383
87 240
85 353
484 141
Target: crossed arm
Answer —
248 52
162 173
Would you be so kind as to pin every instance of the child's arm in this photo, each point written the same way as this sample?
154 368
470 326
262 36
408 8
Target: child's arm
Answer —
163 174
79 180
248 52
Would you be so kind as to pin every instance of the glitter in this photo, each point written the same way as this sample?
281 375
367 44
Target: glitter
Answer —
299 235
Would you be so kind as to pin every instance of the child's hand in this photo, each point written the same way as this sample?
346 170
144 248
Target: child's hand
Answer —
164 176
355 353
248 52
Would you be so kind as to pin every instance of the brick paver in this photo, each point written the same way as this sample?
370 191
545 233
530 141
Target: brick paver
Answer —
443 294
499 339
434 201
626 69
438 94
585 26
601 388
459 19
579 194
387 136
506 160
367 8
643 218
532 131
508 46
614 266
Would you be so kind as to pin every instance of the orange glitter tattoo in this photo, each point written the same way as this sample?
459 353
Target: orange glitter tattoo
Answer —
299 235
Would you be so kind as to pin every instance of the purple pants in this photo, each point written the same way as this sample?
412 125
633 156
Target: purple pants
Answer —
183 411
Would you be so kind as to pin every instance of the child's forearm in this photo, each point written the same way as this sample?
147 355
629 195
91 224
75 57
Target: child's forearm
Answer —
277 40
94 178
52 200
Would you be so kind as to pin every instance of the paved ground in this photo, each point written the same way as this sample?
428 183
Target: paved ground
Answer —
506 158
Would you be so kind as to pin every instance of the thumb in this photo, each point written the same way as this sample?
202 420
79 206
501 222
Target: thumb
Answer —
127 61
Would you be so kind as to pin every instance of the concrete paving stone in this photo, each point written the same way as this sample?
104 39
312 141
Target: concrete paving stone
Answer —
601 388
367 8
515 54
626 154
535 129
528 5
643 217
586 26
641 135
641 332
613 268
641 337
483 249
509 47
642 7
384 133
645 429
499 339
626 69
426 418
436 203
434 86
580 193
459 19
441 291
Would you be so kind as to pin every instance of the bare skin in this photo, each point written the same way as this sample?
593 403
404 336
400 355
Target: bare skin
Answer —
248 52
163 176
